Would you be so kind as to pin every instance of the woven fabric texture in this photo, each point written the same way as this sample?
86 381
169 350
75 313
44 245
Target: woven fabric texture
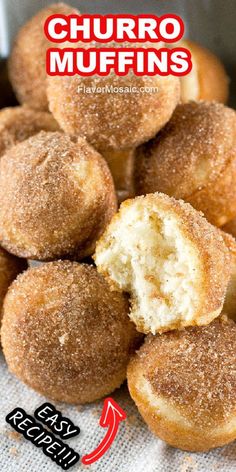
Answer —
134 450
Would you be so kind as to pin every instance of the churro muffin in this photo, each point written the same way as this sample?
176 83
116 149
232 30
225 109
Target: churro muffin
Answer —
230 227
27 69
230 298
121 165
113 120
10 267
172 262
19 123
207 80
65 334
56 197
193 158
184 385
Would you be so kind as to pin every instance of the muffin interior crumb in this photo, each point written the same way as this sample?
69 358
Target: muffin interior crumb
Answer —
147 255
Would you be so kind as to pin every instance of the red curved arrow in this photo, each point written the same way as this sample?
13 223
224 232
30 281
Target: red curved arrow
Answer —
111 416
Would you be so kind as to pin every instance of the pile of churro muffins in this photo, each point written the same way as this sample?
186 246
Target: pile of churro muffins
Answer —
146 291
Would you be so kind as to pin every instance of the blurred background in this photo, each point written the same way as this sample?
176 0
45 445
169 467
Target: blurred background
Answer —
209 22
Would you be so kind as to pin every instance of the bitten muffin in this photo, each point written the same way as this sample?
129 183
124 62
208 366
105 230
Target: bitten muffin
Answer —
184 385
65 334
173 263
56 197
27 69
193 158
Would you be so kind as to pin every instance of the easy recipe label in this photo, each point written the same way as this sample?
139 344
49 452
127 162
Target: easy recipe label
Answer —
64 456
58 451
117 33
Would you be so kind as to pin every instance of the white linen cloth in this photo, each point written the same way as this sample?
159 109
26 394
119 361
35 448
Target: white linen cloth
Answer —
134 450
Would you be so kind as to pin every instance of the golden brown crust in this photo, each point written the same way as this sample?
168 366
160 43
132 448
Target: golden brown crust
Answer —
229 241
27 70
213 82
113 120
210 248
56 197
194 158
192 373
218 199
10 267
20 123
121 165
65 334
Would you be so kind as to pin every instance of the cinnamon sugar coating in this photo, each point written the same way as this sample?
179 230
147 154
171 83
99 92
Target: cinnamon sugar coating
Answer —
27 69
184 384
56 197
20 123
65 334
113 120
194 158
